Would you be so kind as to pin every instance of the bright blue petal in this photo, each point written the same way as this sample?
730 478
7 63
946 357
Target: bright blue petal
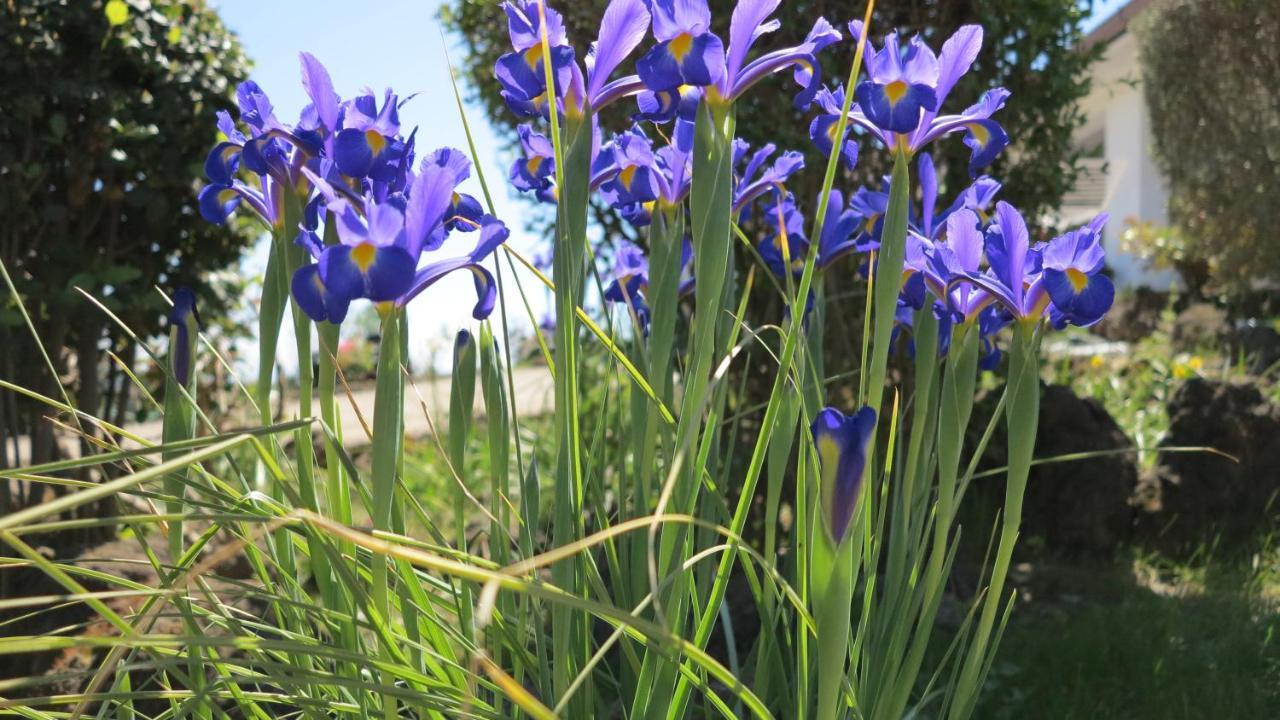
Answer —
1081 299
895 106
986 138
377 273
685 60
314 298
217 202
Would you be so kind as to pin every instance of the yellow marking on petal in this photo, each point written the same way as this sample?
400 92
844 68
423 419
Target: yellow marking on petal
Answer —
680 46
627 176
376 141
533 163
227 195
831 131
1079 281
533 56
315 280
895 91
363 256
829 453
980 133
456 198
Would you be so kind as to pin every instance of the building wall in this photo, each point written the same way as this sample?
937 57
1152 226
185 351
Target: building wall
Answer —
1116 114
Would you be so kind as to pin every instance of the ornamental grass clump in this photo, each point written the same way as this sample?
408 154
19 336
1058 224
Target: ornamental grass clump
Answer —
597 584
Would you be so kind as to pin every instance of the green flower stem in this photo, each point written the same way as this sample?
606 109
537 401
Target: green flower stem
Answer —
388 426
178 425
710 202
832 582
462 395
388 437
1022 418
888 281
337 491
894 613
666 235
570 636
955 406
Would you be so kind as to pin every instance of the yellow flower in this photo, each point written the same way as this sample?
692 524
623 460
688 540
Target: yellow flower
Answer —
1096 362
1196 363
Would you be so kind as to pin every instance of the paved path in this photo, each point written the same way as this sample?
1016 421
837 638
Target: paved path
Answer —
534 396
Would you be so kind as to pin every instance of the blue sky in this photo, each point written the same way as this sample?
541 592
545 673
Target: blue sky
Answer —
398 44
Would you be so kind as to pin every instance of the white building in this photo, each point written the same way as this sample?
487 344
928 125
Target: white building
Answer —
1119 174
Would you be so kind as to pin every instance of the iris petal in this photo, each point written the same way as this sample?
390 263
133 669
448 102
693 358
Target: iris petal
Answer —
217 202
1081 299
314 298
684 60
895 106
377 273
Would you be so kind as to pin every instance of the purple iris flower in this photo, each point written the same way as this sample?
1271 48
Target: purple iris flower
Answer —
263 151
687 281
465 212
841 442
630 282
978 197
905 88
1061 278
1071 266
635 180
523 76
535 170
785 247
369 144
689 54
758 176
632 177
822 130
383 240
354 145
842 234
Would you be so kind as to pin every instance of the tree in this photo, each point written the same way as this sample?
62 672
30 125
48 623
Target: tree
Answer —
108 113
1215 117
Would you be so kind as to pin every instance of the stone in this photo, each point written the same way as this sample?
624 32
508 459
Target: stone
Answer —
1134 316
1073 507
1256 344
1205 495
1199 325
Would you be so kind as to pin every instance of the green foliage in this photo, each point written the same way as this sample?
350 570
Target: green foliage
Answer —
1142 640
1213 101
108 112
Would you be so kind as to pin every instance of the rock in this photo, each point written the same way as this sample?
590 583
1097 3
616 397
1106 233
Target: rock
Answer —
1200 324
1078 506
1258 345
1134 316
1203 494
